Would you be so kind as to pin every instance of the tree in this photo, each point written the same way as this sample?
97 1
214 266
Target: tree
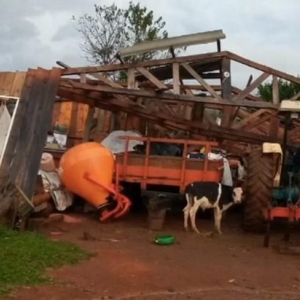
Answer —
286 90
113 28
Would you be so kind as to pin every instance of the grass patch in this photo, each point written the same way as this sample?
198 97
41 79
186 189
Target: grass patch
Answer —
24 258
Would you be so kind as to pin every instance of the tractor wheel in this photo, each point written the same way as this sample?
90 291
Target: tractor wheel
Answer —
259 185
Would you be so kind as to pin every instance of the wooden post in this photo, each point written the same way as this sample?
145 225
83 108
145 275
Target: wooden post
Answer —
176 86
274 121
176 78
226 91
275 90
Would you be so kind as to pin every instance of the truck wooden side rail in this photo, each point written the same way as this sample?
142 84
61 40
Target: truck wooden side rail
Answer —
150 169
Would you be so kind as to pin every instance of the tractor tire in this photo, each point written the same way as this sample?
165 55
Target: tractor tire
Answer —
258 185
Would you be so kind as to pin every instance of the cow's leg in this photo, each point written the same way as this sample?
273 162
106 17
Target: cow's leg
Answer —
186 211
218 218
193 212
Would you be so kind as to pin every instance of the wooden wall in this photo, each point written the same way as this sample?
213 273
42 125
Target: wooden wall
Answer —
11 83
74 116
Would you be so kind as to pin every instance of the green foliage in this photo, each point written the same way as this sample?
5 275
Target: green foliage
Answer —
113 28
25 257
286 90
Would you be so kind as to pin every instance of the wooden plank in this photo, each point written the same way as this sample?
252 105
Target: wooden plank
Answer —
7 83
201 81
82 113
131 78
275 90
144 64
258 122
108 81
176 78
168 96
164 107
262 68
56 113
248 119
73 120
251 87
152 78
2 77
237 91
18 84
64 117
296 96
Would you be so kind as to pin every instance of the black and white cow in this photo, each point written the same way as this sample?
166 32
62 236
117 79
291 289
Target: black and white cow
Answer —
209 195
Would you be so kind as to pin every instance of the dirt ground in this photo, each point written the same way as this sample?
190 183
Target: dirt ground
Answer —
128 265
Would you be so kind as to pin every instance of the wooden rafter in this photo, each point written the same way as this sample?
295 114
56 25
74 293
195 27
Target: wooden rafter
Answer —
261 67
251 87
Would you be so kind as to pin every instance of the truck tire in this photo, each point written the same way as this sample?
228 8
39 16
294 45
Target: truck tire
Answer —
259 185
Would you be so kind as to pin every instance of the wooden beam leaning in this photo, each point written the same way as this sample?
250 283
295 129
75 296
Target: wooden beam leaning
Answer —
152 78
201 81
237 91
251 87
249 118
162 106
296 96
258 122
172 121
24 148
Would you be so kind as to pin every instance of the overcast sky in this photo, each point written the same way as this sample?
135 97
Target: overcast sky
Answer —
37 33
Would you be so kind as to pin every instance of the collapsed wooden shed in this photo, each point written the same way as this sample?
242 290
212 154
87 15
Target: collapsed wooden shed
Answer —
156 96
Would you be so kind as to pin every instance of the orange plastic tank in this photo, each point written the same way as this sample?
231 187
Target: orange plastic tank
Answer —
88 158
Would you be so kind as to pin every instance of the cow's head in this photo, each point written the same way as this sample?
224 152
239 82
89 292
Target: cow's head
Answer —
237 195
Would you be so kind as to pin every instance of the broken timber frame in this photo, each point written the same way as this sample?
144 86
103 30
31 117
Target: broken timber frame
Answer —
174 105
